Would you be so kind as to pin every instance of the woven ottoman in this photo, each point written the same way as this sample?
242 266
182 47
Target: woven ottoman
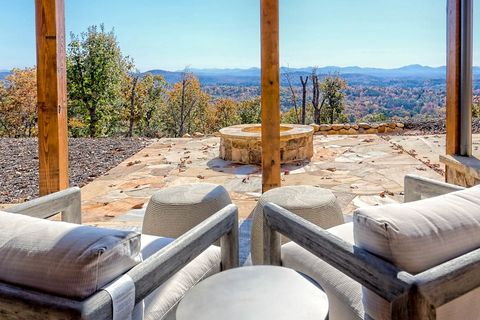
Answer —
314 204
174 210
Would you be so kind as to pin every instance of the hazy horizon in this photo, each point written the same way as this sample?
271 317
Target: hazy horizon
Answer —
257 68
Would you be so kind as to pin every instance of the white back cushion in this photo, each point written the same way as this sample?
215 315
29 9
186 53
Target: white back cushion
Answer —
61 258
418 235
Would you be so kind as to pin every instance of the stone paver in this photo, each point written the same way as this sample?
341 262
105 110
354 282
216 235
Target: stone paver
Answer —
360 170
428 148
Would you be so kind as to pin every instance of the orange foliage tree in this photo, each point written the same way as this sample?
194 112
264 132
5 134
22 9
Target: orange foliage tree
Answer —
18 103
222 113
185 107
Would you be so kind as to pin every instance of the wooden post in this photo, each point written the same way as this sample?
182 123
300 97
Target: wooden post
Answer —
270 95
52 95
459 77
466 78
453 77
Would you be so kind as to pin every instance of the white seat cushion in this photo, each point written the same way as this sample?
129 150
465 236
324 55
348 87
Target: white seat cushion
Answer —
418 235
62 258
344 294
162 303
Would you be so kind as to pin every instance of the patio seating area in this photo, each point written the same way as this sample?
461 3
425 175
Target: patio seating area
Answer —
395 261
364 229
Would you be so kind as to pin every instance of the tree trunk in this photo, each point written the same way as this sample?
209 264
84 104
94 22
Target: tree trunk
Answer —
316 98
293 95
132 107
92 128
316 116
304 98
181 129
148 118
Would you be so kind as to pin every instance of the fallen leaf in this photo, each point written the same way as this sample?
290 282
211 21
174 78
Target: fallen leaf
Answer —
138 206
131 163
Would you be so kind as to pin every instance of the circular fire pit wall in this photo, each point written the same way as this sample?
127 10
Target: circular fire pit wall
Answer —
242 143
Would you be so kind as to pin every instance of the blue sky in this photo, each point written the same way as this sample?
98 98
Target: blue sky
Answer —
172 34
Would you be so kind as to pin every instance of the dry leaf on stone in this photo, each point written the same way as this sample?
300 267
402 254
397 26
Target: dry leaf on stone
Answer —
132 163
138 206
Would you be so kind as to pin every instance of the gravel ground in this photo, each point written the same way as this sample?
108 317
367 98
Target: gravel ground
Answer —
89 158
435 126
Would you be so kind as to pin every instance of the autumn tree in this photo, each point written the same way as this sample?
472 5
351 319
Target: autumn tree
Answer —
18 103
95 69
185 107
222 113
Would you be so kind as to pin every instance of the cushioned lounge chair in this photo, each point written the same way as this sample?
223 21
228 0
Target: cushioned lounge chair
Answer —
418 260
58 270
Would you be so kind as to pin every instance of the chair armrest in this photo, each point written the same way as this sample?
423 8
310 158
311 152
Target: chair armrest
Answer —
411 296
158 268
147 276
417 188
67 202
381 277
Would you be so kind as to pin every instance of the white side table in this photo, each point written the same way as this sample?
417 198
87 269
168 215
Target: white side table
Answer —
258 292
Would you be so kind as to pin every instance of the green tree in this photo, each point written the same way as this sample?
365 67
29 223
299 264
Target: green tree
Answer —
375 117
290 116
250 111
333 97
95 69
143 98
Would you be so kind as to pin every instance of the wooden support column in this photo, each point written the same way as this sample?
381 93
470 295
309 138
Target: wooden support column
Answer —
270 94
52 95
459 77
466 78
460 167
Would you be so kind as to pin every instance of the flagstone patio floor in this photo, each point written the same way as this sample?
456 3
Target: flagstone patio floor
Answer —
359 170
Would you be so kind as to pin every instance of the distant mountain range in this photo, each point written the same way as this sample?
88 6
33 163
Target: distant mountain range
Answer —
410 75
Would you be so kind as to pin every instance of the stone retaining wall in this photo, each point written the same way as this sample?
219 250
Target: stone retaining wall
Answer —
360 128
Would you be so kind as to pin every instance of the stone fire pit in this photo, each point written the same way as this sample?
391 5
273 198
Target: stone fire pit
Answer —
242 143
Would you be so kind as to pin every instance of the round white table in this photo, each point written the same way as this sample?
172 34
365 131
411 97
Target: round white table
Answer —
258 292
